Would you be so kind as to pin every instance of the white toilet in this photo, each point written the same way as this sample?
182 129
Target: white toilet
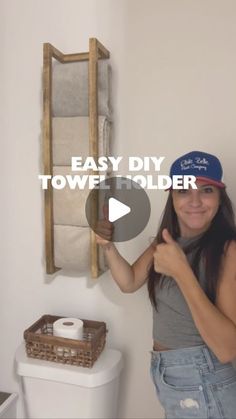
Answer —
53 390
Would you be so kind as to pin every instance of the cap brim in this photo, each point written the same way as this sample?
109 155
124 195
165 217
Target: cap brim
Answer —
205 179
211 181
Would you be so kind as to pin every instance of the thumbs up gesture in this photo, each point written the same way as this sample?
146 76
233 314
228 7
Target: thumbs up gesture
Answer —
169 258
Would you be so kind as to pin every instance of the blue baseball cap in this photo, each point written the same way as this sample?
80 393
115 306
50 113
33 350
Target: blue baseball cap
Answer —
203 166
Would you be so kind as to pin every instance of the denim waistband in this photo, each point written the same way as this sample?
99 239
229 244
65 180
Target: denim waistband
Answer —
198 355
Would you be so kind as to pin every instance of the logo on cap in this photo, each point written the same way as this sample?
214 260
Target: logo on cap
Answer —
202 165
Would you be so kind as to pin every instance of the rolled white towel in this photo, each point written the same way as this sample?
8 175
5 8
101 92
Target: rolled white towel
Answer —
69 204
72 249
70 138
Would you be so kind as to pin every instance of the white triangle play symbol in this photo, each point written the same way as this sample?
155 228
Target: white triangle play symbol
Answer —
116 209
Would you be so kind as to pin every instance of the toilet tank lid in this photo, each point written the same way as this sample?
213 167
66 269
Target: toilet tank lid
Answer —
107 367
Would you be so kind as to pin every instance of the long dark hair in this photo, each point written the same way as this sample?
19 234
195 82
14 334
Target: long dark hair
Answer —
210 245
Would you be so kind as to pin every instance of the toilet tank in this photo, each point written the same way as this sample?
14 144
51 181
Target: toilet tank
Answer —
53 390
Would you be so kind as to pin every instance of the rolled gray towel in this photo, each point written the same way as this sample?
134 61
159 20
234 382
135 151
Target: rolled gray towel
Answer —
70 89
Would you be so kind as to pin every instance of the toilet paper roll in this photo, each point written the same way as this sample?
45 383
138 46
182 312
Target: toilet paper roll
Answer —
69 328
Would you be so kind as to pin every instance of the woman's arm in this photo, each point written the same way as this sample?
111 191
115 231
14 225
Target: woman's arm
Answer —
128 277
215 323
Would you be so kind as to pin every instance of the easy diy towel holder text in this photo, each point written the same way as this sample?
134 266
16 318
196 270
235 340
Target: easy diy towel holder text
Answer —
96 51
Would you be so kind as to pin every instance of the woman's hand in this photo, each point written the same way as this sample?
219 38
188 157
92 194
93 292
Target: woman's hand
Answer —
169 258
104 229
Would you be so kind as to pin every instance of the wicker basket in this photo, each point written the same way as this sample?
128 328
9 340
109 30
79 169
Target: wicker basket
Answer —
41 344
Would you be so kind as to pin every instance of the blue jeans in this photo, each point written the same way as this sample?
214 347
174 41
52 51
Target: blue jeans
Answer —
192 383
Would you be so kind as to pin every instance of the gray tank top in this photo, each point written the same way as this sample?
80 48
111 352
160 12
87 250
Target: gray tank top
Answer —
173 325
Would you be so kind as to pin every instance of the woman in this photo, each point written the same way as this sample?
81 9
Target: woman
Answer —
191 274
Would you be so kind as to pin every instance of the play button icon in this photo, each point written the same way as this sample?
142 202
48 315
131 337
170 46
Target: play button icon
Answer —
116 209
122 202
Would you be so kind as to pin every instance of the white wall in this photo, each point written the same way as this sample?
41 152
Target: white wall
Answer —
174 90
